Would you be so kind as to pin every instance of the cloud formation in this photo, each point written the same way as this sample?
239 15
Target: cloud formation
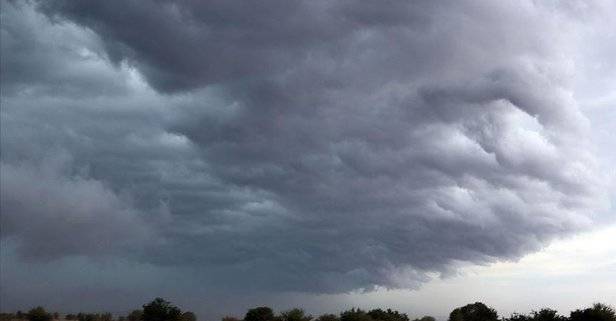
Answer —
304 146
54 216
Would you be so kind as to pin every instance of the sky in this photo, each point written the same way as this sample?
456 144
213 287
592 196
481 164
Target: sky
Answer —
418 155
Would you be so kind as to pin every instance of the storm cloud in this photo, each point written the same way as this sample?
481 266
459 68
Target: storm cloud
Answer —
311 146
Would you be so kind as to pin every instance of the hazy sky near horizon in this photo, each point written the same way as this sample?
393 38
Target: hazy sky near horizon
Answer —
418 155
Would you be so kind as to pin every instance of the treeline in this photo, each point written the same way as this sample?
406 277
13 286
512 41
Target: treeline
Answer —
161 310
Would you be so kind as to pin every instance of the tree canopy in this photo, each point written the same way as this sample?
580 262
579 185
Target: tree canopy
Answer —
259 314
39 314
161 310
474 312
598 312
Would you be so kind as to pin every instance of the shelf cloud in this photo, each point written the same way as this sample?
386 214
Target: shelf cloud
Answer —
309 146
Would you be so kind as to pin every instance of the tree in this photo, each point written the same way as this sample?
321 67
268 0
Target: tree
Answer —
161 310
259 314
189 316
229 318
355 315
546 315
518 317
106 317
135 315
425 318
7 316
473 312
295 315
328 317
87 317
38 314
598 312
388 315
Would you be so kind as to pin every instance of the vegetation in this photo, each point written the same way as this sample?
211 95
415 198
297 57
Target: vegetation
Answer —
39 314
259 314
474 312
161 310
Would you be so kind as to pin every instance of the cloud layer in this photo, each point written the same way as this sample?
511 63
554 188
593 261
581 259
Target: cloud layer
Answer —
283 145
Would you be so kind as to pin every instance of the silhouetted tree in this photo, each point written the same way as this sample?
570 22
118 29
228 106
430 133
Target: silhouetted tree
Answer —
294 315
473 312
87 317
135 315
259 314
598 312
518 317
355 315
38 314
7 316
161 310
388 315
106 317
425 318
328 317
189 316
229 318
70 317
546 315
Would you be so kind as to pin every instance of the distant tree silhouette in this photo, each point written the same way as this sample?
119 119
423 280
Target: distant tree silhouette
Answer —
598 312
328 317
355 315
294 315
135 315
38 314
259 314
473 312
7 316
546 315
87 317
161 310
387 315
229 318
518 317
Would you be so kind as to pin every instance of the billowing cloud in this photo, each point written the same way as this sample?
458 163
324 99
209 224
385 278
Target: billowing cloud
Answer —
305 146
50 215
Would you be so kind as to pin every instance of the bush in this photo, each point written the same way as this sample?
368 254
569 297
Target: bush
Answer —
38 314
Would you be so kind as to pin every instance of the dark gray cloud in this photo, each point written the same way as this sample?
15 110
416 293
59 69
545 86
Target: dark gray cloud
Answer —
304 146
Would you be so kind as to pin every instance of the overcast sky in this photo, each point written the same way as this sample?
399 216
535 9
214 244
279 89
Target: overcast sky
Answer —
417 155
